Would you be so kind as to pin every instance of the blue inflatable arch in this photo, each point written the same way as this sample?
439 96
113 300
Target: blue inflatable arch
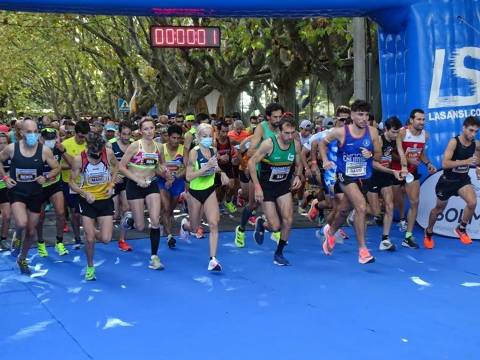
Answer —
429 50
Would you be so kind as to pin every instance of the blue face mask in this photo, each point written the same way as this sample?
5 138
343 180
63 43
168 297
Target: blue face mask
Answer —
31 139
207 142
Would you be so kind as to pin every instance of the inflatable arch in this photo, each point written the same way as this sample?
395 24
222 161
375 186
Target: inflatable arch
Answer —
429 49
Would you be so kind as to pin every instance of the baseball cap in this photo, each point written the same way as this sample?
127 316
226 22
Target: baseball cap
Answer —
306 124
190 117
49 133
328 122
110 127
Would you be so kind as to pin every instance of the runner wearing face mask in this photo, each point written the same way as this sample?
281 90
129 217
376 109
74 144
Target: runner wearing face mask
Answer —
52 191
25 183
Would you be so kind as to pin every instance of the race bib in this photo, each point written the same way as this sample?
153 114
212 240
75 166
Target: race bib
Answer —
279 173
97 178
150 159
355 169
209 172
25 175
461 169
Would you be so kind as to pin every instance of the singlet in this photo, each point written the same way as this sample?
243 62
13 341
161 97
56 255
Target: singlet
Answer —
461 152
350 161
6 167
73 149
193 131
224 149
206 181
330 175
117 151
277 167
24 170
413 146
267 133
388 147
174 164
46 168
145 160
96 178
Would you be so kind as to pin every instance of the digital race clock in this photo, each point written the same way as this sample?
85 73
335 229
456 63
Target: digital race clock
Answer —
185 37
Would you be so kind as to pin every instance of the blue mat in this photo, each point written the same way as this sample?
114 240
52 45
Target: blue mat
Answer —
415 304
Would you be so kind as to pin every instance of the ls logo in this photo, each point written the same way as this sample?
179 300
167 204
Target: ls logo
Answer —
460 70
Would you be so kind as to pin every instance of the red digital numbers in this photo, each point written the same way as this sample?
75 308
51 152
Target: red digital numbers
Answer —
185 37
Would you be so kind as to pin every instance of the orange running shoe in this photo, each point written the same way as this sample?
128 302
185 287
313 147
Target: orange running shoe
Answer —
200 232
122 245
329 242
364 256
463 236
313 212
428 242
65 228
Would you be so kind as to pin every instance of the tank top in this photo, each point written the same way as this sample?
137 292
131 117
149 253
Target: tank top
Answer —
208 179
96 178
6 167
277 167
117 151
461 152
267 133
24 170
143 159
224 149
350 161
174 164
413 146
47 169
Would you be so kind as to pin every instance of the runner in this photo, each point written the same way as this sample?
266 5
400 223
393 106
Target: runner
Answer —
4 202
411 144
140 165
119 146
171 182
52 192
382 181
462 152
277 158
97 167
25 184
357 144
201 170
73 146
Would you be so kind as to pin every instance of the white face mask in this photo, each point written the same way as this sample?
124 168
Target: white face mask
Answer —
50 143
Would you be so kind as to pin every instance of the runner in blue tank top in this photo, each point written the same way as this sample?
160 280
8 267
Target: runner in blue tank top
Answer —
357 144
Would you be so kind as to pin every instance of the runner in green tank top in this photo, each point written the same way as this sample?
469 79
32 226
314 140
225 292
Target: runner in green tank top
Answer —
279 160
266 129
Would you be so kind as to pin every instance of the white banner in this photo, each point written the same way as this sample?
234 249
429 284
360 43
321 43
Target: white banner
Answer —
451 216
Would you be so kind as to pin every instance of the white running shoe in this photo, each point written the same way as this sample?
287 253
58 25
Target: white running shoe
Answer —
184 235
155 263
214 265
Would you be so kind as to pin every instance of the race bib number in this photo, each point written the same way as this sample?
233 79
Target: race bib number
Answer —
461 169
279 173
150 159
97 179
25 175
209 172
355 169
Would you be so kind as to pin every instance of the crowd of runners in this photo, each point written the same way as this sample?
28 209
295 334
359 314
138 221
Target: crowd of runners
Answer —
99 171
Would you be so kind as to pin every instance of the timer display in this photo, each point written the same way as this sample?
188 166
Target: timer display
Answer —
185 37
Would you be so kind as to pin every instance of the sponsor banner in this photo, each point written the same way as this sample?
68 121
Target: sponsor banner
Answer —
451 216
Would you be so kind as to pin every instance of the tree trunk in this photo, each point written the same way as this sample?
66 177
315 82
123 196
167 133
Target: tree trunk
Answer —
287 92
230 100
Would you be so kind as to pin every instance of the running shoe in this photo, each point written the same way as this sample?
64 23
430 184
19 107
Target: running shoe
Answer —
42 250
4 245
200 233
155 263
23 266
124 246
410 243
184 235
214 265
232 209
386 245
171 242
48 207
222 210
342 234
65 228
252 220
125 220
240 200
60 249
239 237
402 225
90 273
428 242
275 236
280 260
329 242
378 220
313 211
259 231
78 244
364 256
463 236
351 218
